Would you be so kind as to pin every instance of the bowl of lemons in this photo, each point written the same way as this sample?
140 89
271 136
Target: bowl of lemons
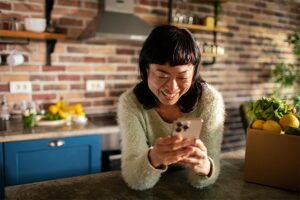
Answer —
62 113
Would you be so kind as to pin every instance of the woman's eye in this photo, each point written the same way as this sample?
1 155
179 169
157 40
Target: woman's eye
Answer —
183 78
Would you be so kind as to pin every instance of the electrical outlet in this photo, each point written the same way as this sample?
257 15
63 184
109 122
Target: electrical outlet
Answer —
20 87
95 85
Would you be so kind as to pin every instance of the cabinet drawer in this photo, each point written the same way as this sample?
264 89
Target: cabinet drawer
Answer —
38 160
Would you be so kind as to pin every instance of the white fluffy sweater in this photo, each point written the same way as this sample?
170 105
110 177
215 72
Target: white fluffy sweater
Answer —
140 128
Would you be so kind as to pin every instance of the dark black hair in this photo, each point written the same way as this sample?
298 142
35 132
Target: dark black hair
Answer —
174 46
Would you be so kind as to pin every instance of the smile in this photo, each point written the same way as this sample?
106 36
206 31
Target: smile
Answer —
168 95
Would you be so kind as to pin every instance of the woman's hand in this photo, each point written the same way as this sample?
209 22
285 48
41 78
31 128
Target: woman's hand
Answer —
169 150
197 160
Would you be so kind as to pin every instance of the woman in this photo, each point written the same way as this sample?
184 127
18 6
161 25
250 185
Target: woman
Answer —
170 88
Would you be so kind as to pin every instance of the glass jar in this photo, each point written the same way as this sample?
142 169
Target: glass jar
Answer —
29 119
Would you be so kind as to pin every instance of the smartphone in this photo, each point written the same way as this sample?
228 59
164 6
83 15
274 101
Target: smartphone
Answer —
188 127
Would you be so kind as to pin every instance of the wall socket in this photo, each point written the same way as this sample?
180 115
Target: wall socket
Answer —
20 87
95 85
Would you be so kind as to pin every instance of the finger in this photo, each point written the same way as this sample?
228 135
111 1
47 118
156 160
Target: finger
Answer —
169 139
175 156
175 145
200 144
197 152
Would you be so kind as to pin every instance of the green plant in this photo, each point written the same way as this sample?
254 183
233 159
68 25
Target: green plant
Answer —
288 75
294 39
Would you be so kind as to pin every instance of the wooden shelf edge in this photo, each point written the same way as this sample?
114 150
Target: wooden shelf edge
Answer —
31 35
202 28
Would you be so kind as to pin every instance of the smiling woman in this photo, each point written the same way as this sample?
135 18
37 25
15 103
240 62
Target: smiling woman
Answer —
170 89
168 84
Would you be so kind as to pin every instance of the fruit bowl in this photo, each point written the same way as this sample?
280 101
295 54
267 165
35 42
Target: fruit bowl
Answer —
51 123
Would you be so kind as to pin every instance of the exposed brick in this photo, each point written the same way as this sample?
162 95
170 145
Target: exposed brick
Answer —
149 3
117 60
94 94
94 59
55 87
80 69
4 88
8 78
91 5
69 3
77 86
159 12
5 6
141 10
260 4
93 77
25 68
42 78
44 96
83 103
4 68
72 49
69 77
3 47
104 102
70 59
70 22
74 33
126 68
26 7
125 51
36 87
53 68
116 93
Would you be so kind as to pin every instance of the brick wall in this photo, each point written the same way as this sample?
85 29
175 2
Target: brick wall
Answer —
254 44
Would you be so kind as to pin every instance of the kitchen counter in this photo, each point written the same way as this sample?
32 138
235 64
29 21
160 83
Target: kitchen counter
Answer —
172 185
97 124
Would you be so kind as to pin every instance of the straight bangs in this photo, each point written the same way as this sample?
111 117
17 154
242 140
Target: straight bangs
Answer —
176 48
184 52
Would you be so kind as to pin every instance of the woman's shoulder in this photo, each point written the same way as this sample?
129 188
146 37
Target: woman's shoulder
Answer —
211 94
128 98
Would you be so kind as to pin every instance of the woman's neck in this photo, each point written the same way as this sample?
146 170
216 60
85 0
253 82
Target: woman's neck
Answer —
169 113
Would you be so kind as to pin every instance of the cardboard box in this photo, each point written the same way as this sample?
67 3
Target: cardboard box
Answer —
273 159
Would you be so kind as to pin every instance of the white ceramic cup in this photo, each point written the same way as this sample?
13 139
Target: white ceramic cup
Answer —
15 59
35 24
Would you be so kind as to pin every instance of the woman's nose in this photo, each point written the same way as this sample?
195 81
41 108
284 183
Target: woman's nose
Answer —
172 84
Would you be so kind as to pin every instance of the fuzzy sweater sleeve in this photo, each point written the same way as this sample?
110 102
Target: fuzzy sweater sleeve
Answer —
212 112
137 171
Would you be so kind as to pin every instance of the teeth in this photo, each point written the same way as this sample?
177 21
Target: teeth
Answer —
167 95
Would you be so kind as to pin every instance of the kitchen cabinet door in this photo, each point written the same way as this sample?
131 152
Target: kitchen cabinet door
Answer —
1 172
38 160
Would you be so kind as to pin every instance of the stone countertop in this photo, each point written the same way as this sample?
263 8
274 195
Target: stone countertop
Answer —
172 185
97 124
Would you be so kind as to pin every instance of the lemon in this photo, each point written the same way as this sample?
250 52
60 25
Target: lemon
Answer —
289 120
271 125
258 124
62 114
78 108
81 113
53 109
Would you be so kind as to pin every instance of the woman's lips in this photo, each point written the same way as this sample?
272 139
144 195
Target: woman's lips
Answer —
169 96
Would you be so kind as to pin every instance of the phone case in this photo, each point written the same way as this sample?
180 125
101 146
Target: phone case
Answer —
189 128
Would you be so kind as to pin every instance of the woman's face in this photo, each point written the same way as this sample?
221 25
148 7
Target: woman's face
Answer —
167 83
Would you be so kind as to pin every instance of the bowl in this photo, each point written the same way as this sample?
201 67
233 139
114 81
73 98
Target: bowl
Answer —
35 24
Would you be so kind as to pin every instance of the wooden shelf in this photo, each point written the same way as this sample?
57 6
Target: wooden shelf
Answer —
202 28
208 1
31 35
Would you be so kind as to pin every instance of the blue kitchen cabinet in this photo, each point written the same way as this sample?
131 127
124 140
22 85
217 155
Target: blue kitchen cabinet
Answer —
1 172
38 160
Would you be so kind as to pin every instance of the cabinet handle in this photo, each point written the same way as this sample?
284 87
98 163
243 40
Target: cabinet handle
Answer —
56 143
